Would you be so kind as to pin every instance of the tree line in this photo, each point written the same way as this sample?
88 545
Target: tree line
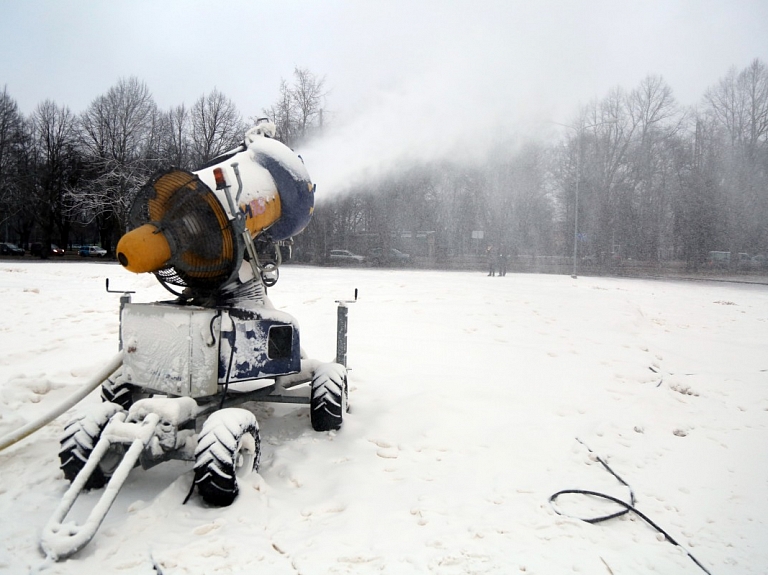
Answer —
633 174
66 176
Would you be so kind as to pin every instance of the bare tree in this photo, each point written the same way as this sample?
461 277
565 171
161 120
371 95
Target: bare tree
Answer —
283 114
10 132
698 207
54 143
309 95
175 137
298 112
17 173
592 175
655 113
216 127
11 140
739 106
519 206
116 136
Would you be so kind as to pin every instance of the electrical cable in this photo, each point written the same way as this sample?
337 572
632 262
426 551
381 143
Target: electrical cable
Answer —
189 493
229 367
210 328
627 507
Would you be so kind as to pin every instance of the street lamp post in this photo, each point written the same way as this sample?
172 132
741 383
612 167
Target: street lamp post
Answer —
579 131
576 211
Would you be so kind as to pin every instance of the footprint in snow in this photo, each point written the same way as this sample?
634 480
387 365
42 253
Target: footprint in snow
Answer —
386 449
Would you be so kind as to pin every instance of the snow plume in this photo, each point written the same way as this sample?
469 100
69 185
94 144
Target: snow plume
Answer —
447 114
426 81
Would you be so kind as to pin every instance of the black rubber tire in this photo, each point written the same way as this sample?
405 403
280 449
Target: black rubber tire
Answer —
121 394
78 440
329 399
114 390
228 447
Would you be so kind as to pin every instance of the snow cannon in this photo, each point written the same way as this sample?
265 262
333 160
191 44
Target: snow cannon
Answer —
191 230
186 365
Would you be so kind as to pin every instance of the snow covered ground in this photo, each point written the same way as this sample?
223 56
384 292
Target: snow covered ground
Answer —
471 397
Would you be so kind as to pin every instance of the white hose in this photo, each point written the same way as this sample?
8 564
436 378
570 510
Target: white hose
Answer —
93 383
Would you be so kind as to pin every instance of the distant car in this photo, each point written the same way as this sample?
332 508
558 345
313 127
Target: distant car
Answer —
11 250
743 261
36 249
759 262
345 257
392 256
92 252
720 260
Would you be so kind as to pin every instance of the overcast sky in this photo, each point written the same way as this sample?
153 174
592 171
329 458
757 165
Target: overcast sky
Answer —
419 69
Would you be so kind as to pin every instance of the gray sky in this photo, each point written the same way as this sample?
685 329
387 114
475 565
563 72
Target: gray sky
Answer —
426 71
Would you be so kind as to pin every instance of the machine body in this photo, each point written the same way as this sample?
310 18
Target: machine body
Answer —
188 362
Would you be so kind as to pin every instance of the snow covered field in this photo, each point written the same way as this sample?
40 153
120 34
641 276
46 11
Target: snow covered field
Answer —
468 395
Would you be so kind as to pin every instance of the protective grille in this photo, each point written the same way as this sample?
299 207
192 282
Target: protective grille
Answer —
203 250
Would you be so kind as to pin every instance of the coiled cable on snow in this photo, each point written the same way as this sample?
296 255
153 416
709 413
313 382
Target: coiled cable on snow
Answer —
626 507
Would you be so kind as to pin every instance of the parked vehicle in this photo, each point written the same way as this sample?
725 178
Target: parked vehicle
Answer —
92 251
390 257
36 249
744 261
345 257
11 250
721 260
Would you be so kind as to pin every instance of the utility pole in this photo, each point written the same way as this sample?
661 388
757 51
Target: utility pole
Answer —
579 132
576 209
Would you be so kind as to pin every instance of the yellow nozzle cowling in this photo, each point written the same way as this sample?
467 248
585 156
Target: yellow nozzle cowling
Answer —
144 249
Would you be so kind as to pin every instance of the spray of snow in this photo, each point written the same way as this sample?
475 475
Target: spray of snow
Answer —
445 114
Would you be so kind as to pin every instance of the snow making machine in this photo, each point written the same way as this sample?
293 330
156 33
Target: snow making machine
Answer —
213 238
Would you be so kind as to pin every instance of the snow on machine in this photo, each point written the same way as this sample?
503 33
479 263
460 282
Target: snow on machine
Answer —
185 364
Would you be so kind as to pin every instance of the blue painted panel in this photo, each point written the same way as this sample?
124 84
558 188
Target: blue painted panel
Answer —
258 348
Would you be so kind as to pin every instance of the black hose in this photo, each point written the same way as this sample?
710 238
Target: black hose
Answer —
627 507
229 367
189 493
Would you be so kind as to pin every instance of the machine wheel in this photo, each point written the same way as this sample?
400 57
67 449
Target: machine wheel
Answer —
330 397
228 447
115 390
79 438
